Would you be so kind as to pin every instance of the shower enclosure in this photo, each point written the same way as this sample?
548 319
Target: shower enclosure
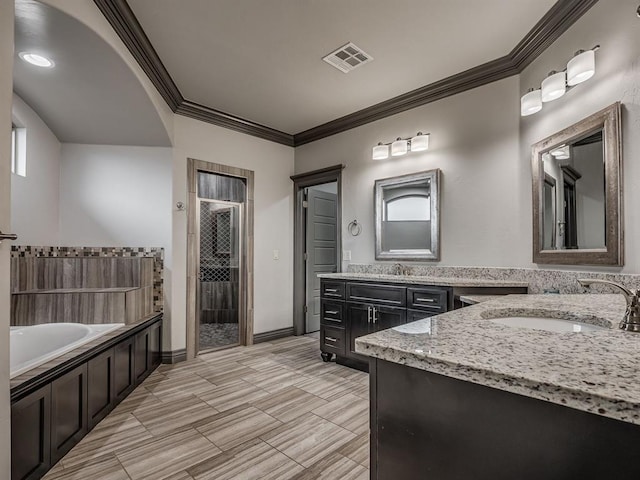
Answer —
220 256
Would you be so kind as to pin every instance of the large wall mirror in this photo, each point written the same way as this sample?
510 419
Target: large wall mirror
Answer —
577 193
407 217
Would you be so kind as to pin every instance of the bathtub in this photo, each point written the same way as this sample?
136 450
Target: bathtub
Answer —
32 346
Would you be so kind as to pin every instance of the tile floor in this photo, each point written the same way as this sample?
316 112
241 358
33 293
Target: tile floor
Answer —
269 411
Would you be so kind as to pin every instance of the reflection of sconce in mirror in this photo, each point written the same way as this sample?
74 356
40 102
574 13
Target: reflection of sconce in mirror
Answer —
401 146
579 69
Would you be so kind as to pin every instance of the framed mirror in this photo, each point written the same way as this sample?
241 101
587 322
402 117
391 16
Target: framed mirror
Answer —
577 193
407 217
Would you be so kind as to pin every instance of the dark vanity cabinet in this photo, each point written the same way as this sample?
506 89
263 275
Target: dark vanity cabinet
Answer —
50 417
351 309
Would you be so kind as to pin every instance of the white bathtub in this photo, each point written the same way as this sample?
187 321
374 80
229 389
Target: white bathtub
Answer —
32 346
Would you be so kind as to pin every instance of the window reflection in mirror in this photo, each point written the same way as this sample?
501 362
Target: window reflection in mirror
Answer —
406 217
406 222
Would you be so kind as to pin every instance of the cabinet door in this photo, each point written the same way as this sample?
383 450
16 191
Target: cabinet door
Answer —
359 324
101 393
142 357
124 381
68 411
387 317
30 435
155 345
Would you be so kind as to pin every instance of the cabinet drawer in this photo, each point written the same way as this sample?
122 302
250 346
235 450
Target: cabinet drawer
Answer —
433 299
332 340
379 294
331 313
332 289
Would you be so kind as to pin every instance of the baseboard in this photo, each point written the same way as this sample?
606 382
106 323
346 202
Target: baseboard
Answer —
273 335
174 356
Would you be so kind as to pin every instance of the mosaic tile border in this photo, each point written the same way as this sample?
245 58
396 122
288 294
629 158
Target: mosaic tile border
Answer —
157 253
540 281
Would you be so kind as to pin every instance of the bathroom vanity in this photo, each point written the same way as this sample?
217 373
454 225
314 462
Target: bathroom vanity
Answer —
462 395
356 304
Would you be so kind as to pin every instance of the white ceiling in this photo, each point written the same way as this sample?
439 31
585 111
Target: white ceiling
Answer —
262 60
90 96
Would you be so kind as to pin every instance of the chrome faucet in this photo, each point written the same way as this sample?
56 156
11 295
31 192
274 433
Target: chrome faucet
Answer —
400 269
631 320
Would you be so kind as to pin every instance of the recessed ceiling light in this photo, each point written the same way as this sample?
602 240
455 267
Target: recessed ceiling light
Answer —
35 59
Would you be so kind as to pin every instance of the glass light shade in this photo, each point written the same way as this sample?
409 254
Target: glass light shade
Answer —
420 142
380 152
35 59
530 103
558 150
562 153
554 86
581 67
399 147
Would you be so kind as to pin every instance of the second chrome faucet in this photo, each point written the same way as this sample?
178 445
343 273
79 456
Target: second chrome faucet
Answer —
631 320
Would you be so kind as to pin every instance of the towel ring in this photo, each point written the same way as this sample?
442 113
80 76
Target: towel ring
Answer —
355 228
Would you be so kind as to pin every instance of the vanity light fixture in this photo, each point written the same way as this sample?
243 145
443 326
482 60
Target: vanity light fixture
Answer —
561 152
401 146
35 59
579 69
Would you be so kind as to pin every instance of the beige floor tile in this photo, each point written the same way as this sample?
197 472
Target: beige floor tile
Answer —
308 439
114 433
357 450
335 467
234 427
106 467
233 394
348 411
168 455
254 460
255 403
288 403
326 386
175 414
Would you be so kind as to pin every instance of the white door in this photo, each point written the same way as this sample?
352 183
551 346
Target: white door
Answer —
6 87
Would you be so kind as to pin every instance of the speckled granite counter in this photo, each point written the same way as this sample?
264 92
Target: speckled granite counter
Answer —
595 372
424 280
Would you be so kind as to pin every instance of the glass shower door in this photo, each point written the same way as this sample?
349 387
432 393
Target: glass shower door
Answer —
220 256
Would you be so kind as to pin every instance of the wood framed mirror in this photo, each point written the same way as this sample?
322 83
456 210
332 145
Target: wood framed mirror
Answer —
407 213
577 193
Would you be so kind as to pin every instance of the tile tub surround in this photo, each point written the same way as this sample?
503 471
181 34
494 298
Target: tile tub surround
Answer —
596 372
156 253
538 280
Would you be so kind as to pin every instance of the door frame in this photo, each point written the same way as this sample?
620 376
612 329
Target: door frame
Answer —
300 182
246 276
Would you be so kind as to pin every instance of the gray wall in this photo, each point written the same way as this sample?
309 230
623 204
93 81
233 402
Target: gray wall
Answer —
483 148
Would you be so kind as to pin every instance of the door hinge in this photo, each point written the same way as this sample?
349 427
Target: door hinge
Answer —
306 309
305 204
305 256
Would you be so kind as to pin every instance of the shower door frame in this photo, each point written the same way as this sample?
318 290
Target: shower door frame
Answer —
246 321
241 256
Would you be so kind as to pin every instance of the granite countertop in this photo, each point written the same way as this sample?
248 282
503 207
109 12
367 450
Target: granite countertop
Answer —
595 371
422 280
473 299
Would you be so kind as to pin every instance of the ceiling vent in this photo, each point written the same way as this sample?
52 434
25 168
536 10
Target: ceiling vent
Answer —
347 58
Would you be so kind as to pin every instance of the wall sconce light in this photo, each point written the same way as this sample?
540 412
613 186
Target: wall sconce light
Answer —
579 69
401 146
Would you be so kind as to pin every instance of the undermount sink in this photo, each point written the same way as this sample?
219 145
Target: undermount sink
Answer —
548 324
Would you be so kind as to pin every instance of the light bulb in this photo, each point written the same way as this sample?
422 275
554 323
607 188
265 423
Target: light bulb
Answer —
554 86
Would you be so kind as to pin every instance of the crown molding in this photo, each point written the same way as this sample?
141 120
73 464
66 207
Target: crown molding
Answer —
216 117
555 22
126 25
